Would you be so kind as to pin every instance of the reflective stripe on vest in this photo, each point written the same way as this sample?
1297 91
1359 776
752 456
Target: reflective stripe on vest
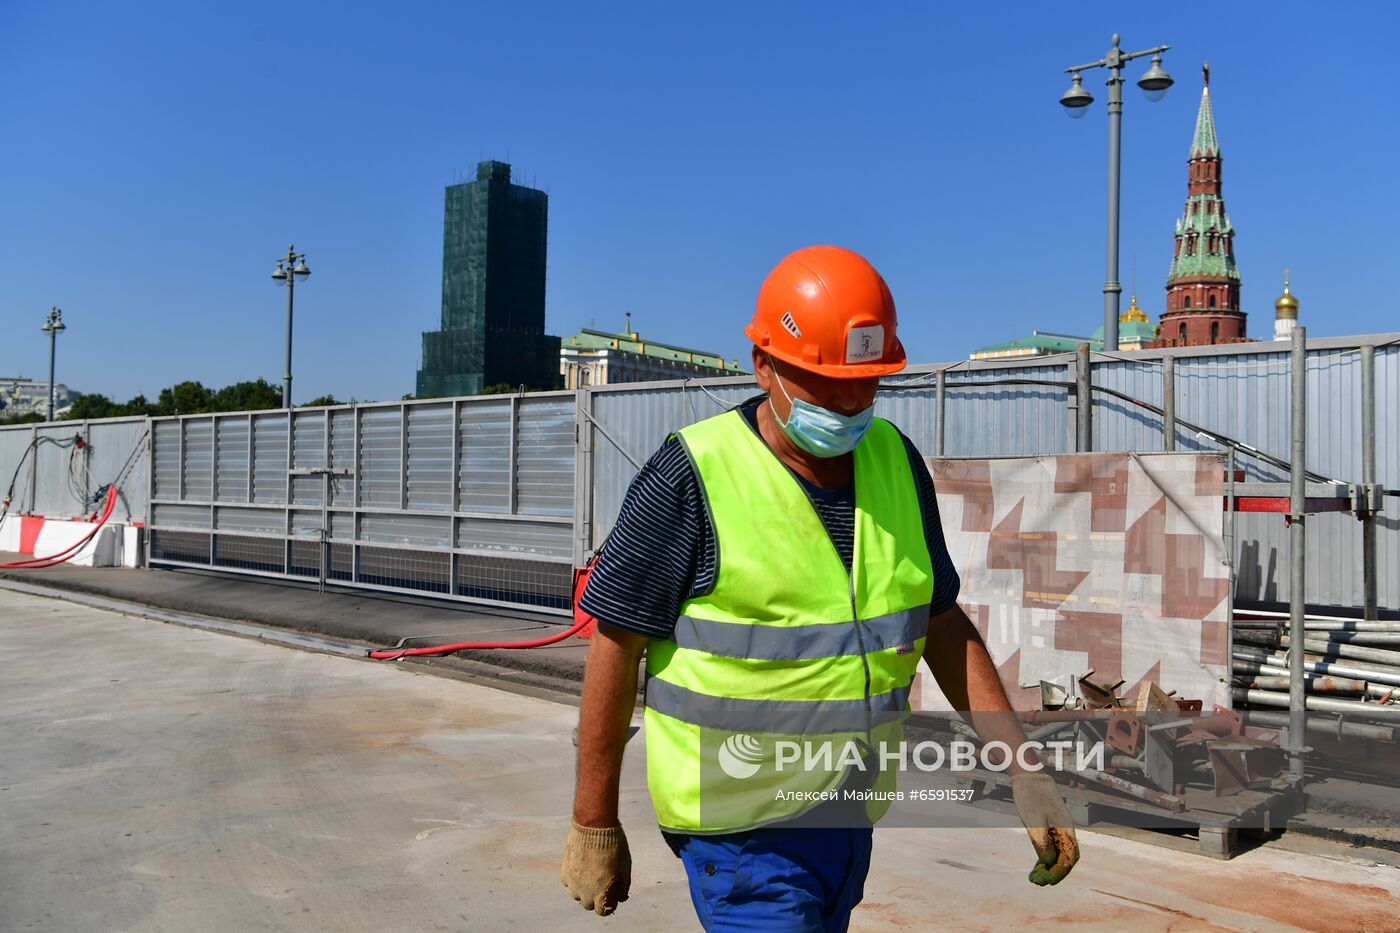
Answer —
787 642
781 643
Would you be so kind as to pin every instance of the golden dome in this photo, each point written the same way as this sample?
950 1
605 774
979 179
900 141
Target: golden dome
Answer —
1134 313
1286 308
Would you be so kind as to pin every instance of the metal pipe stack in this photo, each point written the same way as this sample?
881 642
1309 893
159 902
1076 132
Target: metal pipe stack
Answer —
1344 671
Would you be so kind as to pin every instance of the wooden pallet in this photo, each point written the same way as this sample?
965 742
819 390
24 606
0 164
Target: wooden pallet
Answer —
1209 825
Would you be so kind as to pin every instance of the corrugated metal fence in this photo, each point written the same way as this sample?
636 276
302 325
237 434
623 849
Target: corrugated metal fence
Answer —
497 498
47 473
470 498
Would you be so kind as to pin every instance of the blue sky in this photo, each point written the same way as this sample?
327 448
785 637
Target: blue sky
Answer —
156 157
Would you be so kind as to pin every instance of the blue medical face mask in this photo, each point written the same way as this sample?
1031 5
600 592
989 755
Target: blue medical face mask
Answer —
821 431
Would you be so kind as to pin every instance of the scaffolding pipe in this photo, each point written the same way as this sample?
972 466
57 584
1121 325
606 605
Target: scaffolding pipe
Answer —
1169 403
1332 725
1255 668
1374 711
1297 701
1312 626
1370 605
1084 400
1325 684
1389 676
1248 616
1341 649
940 402
1387 641
1390 640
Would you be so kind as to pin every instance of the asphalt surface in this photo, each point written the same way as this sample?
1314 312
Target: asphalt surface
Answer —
160 777
372 621
1351 807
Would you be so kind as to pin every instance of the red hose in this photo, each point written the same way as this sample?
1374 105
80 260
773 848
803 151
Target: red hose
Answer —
392 654
582 627
71 551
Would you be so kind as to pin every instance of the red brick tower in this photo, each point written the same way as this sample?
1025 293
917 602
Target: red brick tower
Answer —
1203 287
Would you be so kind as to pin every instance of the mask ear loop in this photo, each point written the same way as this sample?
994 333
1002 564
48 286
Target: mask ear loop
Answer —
782 389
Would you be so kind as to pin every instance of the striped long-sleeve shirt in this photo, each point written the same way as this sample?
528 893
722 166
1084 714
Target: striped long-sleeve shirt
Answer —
662 550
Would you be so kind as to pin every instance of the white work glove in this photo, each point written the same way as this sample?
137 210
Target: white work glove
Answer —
1048 823
597 867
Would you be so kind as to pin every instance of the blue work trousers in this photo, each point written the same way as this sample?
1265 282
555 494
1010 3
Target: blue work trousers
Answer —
778 880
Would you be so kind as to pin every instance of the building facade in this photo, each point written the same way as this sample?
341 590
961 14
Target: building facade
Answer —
23 396
493 290
592 357
1203 286
1135 329
1037 344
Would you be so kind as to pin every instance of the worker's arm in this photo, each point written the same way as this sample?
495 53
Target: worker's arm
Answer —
597 867
609 698
964 670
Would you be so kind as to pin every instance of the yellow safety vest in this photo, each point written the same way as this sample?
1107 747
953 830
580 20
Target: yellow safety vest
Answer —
787 648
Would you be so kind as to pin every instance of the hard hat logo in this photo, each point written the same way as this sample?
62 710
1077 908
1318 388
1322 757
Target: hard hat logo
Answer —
864 344
847 315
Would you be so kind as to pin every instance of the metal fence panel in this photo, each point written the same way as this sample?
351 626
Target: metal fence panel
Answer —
544 461
1006 420
343 456
14 465
270 458
391 523
198 458
165 440
429 471
484 440
381 448
1119 424
308 453
231 473
113 447
61 482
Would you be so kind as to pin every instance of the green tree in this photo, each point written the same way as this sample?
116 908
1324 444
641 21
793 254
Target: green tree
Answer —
184 398
139 406
321 402
29 418
95 405
247 396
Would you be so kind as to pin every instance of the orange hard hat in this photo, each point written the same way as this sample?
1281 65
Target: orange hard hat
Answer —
826 310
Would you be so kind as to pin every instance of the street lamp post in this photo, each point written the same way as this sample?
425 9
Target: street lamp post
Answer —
53 326
1154 84
289 268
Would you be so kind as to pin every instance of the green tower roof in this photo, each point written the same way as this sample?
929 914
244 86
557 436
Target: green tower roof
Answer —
1204 142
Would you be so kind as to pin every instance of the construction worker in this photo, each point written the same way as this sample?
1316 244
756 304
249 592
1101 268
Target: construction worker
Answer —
778 559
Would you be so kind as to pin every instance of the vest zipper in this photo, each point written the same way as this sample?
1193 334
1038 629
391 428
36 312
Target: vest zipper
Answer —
851 592
850 572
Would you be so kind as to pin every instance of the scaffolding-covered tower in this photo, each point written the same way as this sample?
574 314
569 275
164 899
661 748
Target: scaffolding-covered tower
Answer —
493 290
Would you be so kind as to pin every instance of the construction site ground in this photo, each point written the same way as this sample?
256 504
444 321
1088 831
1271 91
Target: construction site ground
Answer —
162 776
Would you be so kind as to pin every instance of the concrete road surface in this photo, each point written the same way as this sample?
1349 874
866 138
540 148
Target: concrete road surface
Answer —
155 777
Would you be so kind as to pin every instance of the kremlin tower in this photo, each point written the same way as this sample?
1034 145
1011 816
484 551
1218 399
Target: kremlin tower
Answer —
1203 287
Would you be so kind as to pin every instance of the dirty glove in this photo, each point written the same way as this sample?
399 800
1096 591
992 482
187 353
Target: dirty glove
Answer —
1048 823
597 867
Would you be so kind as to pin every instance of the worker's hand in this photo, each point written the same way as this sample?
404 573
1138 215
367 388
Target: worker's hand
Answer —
597 867
1048 823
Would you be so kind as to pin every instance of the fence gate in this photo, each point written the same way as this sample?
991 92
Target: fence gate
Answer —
470 498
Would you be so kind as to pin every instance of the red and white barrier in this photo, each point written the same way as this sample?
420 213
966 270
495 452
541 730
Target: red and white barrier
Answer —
114 545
